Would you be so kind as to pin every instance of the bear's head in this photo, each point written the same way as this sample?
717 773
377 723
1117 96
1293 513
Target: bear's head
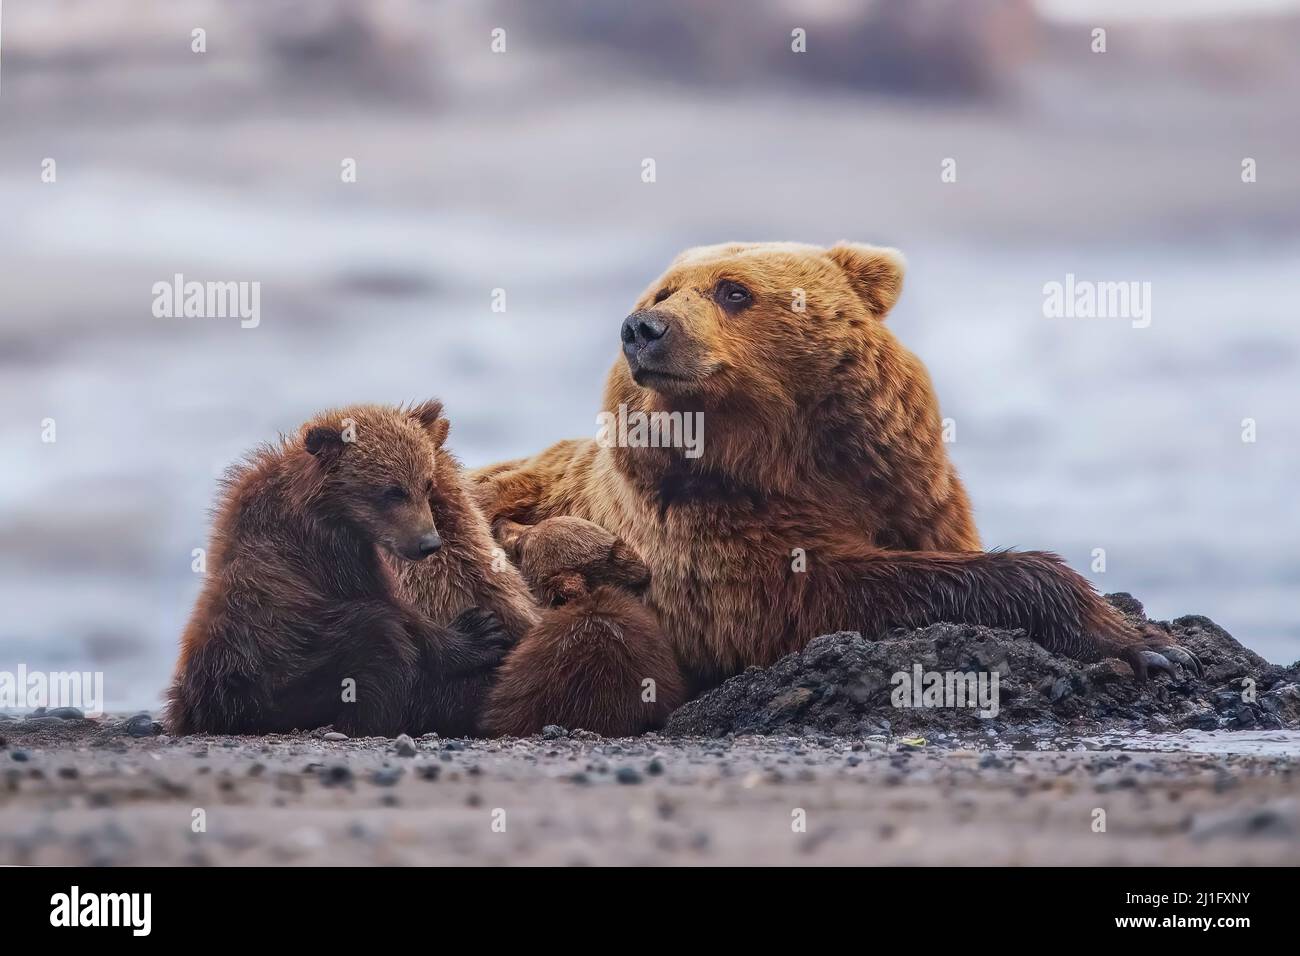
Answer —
374 467
766 324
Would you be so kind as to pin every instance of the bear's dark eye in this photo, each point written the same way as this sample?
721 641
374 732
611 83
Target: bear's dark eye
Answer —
394 494
662 294
732 296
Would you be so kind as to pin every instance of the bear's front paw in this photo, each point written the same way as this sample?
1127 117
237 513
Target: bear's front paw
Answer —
1149 661
1156 640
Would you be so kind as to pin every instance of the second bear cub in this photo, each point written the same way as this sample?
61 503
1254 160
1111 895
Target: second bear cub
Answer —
598 659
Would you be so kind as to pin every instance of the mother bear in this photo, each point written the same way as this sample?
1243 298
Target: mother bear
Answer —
822 498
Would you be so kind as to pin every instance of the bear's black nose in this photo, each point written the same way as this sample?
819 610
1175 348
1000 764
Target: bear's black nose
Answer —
642 328
429 544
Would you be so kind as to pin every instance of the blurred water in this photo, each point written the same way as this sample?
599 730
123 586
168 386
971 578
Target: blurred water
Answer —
1072 434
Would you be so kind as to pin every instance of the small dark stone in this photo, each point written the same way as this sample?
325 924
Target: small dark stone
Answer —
628 775
67 713
141 725
386 776
22 756
655 767
336 775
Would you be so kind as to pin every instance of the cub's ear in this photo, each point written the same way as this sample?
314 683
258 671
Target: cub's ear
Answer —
627 567
323 442
876 273
429 415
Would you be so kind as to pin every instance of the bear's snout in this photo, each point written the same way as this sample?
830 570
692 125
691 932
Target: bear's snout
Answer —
644 334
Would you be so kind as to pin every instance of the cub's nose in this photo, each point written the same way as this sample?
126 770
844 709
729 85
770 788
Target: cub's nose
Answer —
429 544
642 328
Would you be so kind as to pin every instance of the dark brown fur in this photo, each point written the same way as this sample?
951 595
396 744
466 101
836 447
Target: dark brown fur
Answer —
587 663
300 594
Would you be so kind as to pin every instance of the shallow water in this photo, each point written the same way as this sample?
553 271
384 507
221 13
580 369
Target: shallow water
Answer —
1259 743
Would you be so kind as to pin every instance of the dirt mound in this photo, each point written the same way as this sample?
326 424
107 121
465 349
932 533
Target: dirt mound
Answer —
843 684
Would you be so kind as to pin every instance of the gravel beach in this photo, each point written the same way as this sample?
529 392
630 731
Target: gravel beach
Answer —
86 792
807 761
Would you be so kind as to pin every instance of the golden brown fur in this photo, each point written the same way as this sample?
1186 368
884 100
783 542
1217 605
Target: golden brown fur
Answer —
822 440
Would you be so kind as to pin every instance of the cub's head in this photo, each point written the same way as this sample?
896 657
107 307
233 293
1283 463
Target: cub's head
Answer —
565 558
374 467
754 320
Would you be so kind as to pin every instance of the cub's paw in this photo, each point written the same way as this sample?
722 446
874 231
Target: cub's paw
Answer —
483 641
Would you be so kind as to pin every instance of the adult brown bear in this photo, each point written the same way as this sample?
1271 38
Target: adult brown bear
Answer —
821 498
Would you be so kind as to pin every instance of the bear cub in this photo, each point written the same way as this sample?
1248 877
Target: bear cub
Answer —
302 621
587 663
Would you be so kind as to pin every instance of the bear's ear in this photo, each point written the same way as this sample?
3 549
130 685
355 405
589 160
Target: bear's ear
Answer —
323 442
429 415
875 272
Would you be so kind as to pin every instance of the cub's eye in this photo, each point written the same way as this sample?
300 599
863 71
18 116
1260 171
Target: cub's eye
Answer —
394 494
662 294
732 295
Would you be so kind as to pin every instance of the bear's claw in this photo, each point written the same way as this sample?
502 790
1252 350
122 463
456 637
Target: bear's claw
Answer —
1184 657
1147 663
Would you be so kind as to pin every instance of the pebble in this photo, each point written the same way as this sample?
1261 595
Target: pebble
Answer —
22 756
655 767
405 746
386 776
553 732
141 725
67 713
335 735
336 775
628 775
